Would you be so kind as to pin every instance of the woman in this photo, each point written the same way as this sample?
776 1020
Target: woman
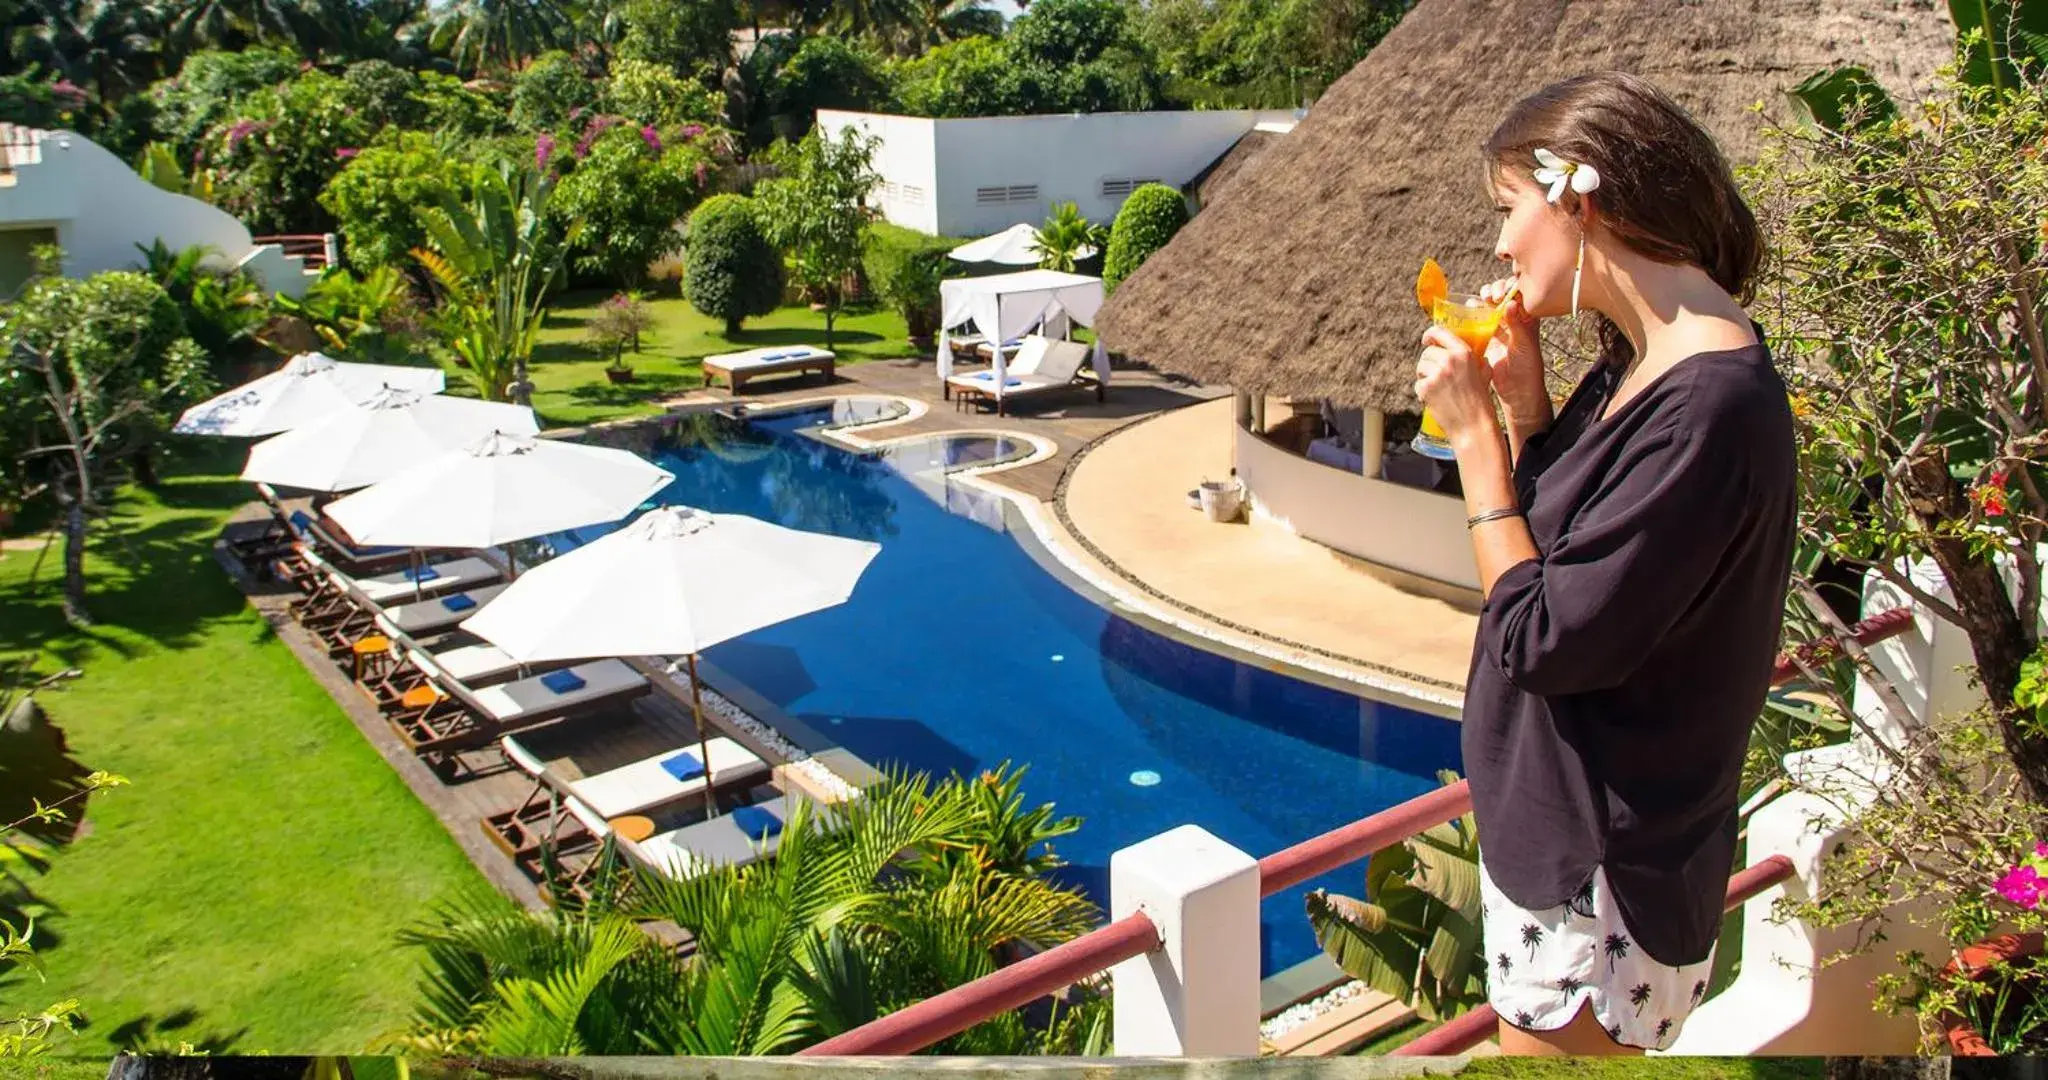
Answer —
1634 550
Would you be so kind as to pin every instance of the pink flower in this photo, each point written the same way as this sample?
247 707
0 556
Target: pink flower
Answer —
691 131
651 138
2041 850
65 88
543 149
346 152
2022 886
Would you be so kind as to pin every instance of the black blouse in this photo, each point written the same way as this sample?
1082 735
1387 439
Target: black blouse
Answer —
1616 676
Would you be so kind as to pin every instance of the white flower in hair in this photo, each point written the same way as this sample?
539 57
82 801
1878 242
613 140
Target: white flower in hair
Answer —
1557 172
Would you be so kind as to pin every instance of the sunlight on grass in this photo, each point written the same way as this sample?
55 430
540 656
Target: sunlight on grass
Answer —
568 373
244 893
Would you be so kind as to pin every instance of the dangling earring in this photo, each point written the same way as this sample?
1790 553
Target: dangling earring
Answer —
1578 267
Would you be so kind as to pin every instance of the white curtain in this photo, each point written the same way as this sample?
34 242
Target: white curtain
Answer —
1004 306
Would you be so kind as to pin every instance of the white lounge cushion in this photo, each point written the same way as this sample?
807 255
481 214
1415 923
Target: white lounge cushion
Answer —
512 701
433 615
632 788
769 357
474 665
686 852
451 576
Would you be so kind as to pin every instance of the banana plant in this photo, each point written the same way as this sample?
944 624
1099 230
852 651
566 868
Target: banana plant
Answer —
1416 934
1994 39
495 257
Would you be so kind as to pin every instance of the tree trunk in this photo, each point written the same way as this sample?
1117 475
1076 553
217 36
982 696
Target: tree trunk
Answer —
521 391
142 466
732 328
1998 641
1879 1068
74 564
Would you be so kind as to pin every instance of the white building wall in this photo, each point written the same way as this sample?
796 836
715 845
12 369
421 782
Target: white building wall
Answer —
907 195
1037 161
101 209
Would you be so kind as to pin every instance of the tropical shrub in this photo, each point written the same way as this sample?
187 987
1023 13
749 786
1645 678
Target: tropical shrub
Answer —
694 39
210 86
1145 222
98 367
382 95
375 197
826 72
814 212
221 309
495 255
618 325
647 93
550 91
733 271
279 149
20 850
915 888
906 267
372 318
1416 935
970 77
448 105
39 101
630 191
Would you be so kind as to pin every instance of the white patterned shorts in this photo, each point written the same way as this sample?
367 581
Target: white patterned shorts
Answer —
1542 964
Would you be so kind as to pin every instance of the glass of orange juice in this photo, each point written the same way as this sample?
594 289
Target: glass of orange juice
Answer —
1475 322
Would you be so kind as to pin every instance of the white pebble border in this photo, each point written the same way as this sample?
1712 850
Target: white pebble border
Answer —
799 760
1295 1015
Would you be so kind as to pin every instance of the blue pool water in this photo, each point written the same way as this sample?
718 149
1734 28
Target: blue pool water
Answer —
958 652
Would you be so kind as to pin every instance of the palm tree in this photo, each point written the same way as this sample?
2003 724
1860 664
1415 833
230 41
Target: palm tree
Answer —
935 22
477 34
109 45
849 921
1616 948
1532 936
1639 996
1062 240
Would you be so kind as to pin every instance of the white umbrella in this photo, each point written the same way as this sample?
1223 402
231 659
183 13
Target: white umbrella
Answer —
678 580
310 387
498 489
1014 246
379 439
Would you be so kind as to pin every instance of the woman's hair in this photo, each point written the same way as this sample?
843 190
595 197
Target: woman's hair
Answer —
1665 188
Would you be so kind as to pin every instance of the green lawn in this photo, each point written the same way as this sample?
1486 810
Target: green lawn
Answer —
568 374
244 893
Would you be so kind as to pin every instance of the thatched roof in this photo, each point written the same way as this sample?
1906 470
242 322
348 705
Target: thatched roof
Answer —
1301 281
1211 181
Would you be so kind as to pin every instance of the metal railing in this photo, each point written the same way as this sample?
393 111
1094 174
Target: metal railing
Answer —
940 1017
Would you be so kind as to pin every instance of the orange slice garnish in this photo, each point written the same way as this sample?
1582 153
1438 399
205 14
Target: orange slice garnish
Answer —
1431 285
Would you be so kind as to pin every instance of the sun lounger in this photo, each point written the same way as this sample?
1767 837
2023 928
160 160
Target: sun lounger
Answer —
1059 367
344 608
653 781
743 836
307 527
543 818
463 716
401 586
471 665
737 369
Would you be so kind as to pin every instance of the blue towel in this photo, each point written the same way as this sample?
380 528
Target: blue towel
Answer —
757 823
989 376
424 573
459 602
683 766
563 681
1013 343
302 519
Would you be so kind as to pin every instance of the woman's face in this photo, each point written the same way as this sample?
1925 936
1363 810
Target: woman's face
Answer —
1539 240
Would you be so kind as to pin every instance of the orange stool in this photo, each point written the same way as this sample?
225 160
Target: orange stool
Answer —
365 648
632 827
419 697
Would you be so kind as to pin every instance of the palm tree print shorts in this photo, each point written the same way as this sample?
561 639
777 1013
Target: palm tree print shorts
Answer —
1542 964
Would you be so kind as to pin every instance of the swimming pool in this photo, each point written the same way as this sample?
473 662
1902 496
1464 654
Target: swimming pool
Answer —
958 651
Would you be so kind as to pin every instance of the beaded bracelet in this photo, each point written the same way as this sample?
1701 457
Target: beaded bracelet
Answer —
1485 516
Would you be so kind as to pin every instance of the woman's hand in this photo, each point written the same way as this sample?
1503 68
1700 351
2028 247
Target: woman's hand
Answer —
1515 359
1456 387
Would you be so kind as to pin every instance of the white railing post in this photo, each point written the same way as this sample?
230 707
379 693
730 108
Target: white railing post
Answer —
1197 995
330 246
